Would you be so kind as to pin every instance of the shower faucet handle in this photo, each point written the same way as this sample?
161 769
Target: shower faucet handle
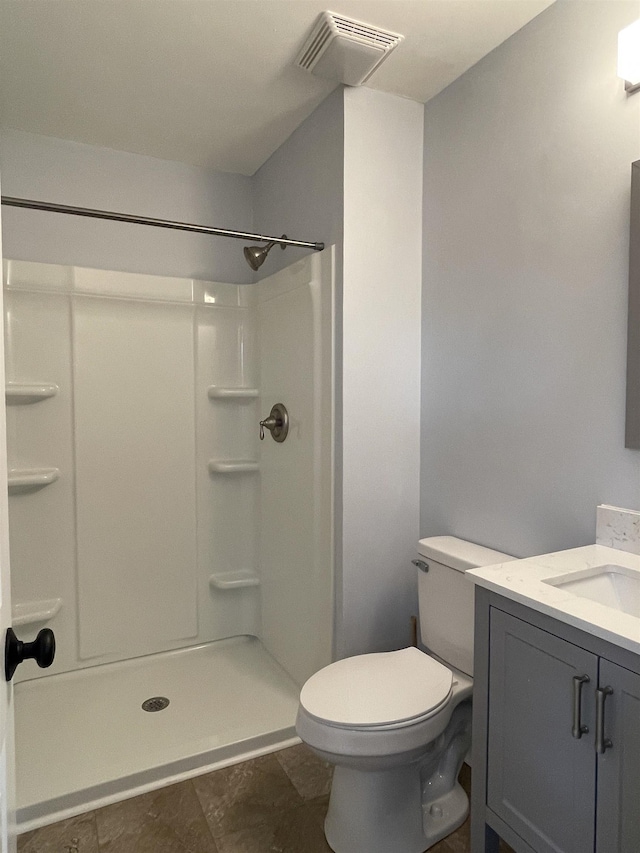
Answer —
268 423
277 423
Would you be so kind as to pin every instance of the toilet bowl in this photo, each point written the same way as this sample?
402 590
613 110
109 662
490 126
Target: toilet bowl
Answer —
397 725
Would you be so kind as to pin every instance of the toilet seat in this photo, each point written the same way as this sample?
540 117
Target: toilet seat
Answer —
378 691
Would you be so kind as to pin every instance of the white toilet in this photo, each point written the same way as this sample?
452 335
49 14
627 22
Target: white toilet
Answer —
397 725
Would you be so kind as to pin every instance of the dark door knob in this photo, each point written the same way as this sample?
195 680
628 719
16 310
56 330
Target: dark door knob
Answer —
42 650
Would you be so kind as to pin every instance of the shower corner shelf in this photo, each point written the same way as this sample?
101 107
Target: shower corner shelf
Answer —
234 580
22 393
34 612
22 480
232 466
228 392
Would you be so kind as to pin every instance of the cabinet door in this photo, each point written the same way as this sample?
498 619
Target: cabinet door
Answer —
541 780
618 811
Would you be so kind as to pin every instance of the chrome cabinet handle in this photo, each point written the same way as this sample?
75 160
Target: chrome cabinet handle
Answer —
578 728
602 743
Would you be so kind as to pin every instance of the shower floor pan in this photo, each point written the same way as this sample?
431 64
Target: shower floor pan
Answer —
83 740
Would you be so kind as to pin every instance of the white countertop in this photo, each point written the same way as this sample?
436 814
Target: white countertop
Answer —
522 581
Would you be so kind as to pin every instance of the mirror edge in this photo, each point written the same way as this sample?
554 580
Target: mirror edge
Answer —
632 424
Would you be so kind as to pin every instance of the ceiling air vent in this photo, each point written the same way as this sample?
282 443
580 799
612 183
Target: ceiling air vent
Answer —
345 50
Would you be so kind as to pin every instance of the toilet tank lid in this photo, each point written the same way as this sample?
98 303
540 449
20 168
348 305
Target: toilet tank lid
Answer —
460 554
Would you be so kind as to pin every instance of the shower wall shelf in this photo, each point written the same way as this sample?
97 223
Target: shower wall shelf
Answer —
232 466
22 480
234 580
34 612
22 393
220 392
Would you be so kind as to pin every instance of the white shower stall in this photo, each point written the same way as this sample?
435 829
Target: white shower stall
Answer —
174 555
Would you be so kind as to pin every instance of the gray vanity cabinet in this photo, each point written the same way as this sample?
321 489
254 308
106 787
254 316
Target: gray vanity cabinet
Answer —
538 780
541 780
618 806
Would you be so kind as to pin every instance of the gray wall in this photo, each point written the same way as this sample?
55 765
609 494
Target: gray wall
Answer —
299 190
380 368
527 167
55 170
352 175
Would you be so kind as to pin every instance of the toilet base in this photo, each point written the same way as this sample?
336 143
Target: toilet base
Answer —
384 822
375 811
444 816
406 808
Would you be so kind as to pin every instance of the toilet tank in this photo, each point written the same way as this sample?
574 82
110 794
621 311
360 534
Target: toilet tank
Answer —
446 597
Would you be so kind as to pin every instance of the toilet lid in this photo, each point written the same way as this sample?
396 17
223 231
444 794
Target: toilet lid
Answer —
377 689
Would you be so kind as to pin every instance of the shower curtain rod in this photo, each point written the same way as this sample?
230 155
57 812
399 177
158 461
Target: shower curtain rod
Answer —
30 204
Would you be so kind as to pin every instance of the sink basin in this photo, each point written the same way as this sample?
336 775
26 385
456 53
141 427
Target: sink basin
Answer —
614 586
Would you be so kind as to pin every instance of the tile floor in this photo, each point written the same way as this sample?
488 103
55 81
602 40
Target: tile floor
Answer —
273 804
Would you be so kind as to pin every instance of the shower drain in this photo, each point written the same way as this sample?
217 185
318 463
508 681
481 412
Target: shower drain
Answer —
156 703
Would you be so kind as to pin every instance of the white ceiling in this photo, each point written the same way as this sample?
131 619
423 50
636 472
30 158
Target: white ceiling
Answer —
212 82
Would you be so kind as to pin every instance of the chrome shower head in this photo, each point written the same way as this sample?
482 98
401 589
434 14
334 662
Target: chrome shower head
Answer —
257 255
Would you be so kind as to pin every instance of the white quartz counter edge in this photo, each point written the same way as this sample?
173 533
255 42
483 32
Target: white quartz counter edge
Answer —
521 580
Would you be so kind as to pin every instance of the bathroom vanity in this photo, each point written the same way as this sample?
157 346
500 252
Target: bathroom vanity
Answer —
556 725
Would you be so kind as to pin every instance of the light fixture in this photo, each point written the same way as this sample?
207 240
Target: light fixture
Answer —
629 56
